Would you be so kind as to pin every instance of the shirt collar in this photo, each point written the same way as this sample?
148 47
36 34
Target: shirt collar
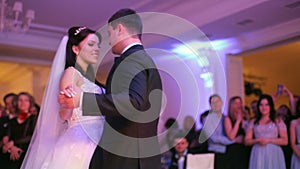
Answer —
184 154
129 46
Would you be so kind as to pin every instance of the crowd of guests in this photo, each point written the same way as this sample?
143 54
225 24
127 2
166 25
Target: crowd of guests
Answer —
260 137
257 137
17 122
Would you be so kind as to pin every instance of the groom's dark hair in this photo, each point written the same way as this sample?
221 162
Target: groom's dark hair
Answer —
129 18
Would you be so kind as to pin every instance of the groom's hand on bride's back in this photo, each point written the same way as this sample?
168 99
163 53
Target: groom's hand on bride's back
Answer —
69 98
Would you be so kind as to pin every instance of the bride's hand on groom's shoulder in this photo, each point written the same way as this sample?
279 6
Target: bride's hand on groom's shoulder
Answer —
70 97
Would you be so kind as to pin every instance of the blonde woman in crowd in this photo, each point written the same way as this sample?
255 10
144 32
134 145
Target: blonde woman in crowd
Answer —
234 125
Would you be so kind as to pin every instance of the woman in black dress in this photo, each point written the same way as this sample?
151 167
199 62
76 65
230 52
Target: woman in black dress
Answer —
20 130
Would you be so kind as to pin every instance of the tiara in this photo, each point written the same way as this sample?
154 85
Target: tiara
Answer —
79 30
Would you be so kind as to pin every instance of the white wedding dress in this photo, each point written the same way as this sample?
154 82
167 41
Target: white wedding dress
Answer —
75 147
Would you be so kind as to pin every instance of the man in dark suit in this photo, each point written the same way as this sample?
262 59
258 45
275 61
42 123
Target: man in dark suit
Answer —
132 101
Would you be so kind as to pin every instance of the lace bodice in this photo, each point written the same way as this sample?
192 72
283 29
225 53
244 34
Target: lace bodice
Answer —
90 87
269 130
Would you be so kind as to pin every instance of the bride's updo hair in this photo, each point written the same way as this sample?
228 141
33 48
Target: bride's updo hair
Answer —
77 34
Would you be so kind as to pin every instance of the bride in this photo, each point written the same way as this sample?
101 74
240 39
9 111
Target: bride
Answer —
64 138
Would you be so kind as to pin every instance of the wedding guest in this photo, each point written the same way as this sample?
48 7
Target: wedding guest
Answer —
214 130
9 100
179 157
266 134
35 109
295 142
203 146
20 130
284 91
189 127
253 106
172 129
235 124
284 114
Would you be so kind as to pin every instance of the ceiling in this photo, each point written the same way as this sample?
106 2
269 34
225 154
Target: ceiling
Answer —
254 23
218 19
243 17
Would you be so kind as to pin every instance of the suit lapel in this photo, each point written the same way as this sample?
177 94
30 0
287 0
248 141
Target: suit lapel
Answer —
117 62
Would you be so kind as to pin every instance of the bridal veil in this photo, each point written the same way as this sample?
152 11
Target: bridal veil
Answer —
49 125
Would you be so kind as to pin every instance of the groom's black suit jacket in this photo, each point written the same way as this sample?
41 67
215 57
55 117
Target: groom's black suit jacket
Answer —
127 107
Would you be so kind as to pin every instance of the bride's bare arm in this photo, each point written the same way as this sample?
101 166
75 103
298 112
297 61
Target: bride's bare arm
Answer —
68 80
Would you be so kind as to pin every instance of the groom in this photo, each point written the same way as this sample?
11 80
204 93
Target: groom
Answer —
132 101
